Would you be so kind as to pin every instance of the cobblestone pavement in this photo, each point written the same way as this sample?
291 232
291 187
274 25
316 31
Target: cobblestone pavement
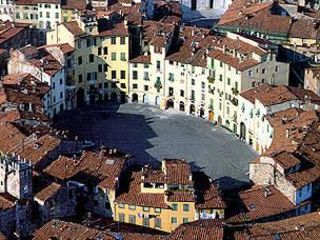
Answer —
151 134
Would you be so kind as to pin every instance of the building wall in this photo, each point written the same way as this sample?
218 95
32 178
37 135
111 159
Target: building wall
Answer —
165 215
311 82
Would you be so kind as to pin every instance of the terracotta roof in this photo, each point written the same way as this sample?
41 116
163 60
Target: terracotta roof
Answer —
38 149
118 29
201 229
100 168
141 59
48 192
131 194
271 95
64 47
74 4
154 32
305 227
6 202
73 28
11 136
181 196
262 17
9 31
177 171
257 205
57 229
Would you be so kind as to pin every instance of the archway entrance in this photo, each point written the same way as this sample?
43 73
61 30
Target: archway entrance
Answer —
170 104
135 97
243 131
201 112
145 98
192 109
181 106
80 97
157 101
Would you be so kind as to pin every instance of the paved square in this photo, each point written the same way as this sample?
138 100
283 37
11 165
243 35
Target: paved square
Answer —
151 134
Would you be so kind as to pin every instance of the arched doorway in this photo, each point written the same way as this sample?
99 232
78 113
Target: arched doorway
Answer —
80 97
170 103
181 106
135 97
145 98
114 97
243 131
157 101
201 112
192 109
211 116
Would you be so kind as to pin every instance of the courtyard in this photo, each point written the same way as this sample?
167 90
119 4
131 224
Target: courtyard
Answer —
150 134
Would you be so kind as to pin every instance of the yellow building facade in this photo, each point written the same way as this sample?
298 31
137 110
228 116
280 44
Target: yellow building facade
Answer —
164 199
100 59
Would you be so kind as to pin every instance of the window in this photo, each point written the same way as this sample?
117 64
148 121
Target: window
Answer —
61 81
193 82
158 65
157 210
123 56
105 67
100 68
185 220
121 205
250 73
91 58
277 69
146 222
132 219
186 207
57 15
80 78
135 86
61 95
146 76
79 60
114 74
174 206
211 4
221 64
121 217
228 81
181 93
113 40
220 77
263 70
99 51
105 50
157 222
203 85
134 75
146 209
122 40
236 85
123 85
113 56
132 207
171 77
146 65
88 42
253 84
173 220
79 44
146 87
123 74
